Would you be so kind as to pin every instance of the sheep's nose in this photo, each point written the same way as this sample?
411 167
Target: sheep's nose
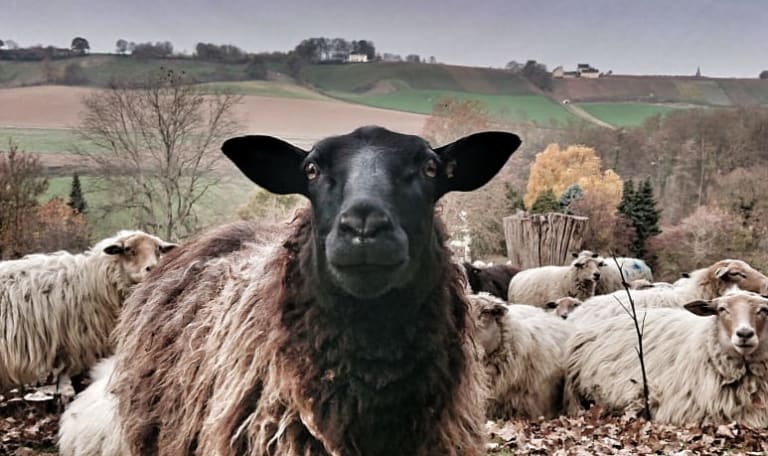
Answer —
564 316
596 275
745 333
364 221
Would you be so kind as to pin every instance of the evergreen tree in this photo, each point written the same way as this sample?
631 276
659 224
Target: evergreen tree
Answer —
639 207
545 202
513 197
76 199
571 194
647 216
627 199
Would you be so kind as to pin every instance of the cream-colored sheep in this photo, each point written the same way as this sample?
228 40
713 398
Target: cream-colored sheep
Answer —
89 426
57 310
562 307
523 357
611 275
707 283
708 368
538 286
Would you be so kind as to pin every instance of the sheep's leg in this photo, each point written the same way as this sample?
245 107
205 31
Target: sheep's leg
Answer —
64 391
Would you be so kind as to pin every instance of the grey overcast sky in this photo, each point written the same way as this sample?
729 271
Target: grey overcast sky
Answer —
724 37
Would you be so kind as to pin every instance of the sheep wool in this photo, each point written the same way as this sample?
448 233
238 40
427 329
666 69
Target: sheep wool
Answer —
693 378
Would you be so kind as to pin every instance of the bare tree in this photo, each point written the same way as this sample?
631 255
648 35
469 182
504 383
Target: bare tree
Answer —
157 147
21 184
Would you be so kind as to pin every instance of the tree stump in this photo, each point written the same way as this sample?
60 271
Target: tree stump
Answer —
543 239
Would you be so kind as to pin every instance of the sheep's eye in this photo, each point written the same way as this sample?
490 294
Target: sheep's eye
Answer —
576 304
551 305
579 265
430 168
737 274
312 171
601 265
763 311
722 310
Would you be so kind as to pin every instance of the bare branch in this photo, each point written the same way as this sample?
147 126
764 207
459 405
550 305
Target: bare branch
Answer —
158 145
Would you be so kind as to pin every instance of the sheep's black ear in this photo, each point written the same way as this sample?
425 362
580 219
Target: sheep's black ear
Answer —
496 310
167 247
269 162
114 249
470 162
552 305
575 255
702 308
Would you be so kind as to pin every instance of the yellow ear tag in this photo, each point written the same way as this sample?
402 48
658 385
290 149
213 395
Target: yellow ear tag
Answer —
449 169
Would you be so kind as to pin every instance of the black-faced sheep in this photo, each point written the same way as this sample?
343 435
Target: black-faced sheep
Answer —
351 337
707 283
538 286
523 353
57 310
492 279
711 370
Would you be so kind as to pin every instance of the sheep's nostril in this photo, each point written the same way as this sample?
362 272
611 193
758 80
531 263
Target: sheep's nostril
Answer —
596 275
745 333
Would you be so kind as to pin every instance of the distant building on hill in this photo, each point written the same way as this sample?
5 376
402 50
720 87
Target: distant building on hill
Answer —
357 58
583 70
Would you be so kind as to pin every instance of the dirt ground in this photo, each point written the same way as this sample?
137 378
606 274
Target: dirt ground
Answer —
303 121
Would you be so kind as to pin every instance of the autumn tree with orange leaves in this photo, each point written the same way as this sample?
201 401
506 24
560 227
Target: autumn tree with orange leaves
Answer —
557 169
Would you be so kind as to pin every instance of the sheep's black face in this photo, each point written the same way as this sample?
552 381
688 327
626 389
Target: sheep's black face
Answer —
373 193
372 200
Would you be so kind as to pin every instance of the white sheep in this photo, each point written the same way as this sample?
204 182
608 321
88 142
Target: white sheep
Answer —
523 357
88 426
57 310
538 286
701 370
611 276
562 307
707 283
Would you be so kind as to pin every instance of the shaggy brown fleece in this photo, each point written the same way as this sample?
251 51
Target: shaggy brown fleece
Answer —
231 350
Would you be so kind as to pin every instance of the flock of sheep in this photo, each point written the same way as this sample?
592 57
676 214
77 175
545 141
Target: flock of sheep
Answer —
317 342
704 349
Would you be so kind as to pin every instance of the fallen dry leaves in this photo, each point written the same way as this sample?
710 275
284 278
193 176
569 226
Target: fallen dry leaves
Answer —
593 434
28 429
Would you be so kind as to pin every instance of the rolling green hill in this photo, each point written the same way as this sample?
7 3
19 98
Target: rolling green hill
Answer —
414 87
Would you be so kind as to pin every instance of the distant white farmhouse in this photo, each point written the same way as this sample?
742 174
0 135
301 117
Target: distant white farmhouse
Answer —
583 70
357 58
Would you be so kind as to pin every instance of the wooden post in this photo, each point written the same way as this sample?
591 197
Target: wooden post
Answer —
543 239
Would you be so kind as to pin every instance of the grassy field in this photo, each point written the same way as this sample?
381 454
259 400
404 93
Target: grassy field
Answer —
218 204
535 108
43 140
263 89
100 70
625 114
420 76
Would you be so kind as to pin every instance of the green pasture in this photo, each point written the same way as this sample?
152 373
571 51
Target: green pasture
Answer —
44 140
262 89
625 114
218 204
534 108
361 78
